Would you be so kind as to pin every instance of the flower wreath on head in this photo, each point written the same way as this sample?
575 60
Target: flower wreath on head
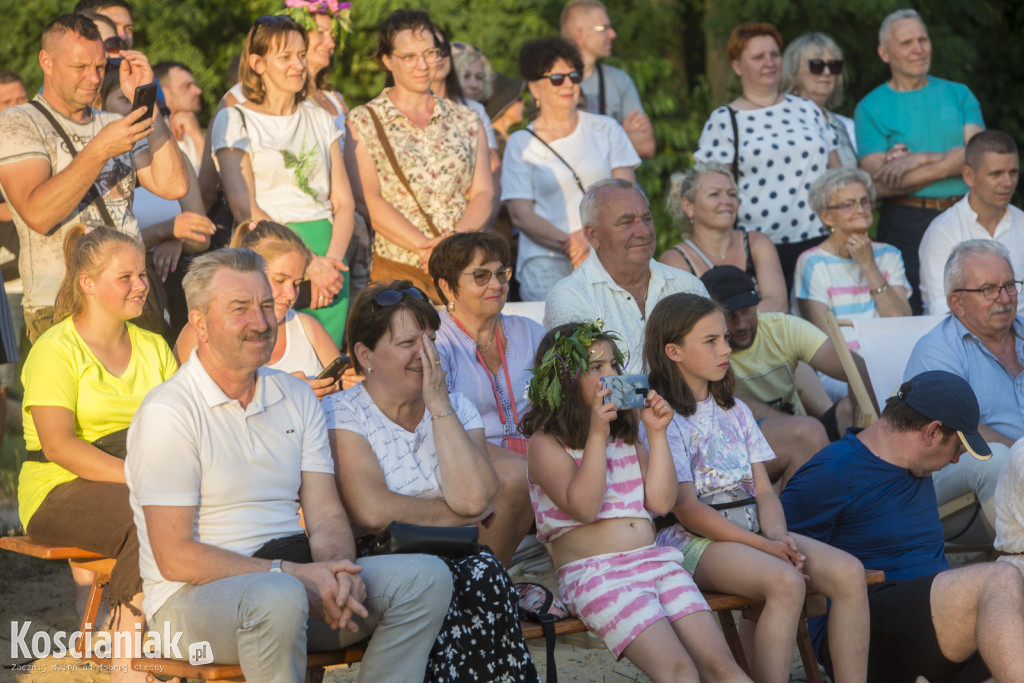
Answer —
302 12
565 361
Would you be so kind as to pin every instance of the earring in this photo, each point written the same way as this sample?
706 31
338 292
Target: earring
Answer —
369 369
451 307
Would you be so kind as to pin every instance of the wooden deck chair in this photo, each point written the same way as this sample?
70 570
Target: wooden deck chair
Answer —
885 346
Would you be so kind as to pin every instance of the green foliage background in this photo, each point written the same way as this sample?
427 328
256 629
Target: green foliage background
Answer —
666 45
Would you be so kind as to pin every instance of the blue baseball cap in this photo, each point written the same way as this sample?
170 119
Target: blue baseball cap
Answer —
948 398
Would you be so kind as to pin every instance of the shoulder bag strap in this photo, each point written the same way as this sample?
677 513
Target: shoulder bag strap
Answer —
602 107
97 198
735 144
390 153
579 183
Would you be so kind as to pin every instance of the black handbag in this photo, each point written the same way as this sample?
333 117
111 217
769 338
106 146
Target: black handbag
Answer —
401 537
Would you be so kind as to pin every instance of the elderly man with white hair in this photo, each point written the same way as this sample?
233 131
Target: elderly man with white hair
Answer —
982 340
911 132
624 282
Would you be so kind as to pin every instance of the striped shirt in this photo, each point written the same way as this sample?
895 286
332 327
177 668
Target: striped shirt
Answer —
840 284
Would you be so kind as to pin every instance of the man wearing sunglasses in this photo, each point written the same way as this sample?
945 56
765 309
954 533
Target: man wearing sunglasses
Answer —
911 133
608 90
991 170
983 342
49 186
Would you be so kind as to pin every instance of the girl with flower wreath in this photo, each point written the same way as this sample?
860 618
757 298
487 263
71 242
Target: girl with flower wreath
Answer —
594 485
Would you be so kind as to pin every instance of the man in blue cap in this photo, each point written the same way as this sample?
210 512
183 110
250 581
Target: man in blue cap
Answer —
871 495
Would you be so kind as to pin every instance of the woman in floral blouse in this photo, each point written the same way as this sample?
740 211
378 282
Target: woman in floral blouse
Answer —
419 163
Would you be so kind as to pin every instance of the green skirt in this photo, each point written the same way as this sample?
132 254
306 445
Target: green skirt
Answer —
317 236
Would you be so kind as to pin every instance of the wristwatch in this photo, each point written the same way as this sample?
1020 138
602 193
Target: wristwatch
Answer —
275 566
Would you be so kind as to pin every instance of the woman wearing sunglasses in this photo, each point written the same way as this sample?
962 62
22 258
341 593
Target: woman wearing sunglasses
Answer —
488 358
547 167
407 450
812 67
280 160
775 143
419 162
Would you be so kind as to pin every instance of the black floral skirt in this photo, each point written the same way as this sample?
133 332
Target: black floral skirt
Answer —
481 639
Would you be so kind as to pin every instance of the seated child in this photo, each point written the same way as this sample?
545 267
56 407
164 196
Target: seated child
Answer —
593 487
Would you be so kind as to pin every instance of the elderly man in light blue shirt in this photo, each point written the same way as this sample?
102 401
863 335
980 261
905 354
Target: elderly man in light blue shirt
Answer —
982 340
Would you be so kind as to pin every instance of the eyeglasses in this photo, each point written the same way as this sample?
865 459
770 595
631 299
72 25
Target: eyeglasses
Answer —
464 47
817 66
991 292
482 276
390 297
851 204
558 79
431 57
114 44
602 28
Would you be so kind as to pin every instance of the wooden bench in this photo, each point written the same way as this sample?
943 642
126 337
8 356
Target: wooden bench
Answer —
720 603
83 559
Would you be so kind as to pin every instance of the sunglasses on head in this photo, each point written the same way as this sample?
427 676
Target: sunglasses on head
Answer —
817 66
390 297
459 47
558 79
482 276
271 19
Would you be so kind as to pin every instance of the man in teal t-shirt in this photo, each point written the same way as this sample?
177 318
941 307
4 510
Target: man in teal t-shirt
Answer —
911 132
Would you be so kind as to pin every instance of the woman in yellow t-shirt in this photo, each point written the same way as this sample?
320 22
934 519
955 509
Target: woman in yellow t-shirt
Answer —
84 379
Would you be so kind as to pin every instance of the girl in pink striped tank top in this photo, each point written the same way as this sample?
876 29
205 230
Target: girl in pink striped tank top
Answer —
594 485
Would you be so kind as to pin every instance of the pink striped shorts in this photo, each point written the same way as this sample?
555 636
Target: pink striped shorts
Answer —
618 595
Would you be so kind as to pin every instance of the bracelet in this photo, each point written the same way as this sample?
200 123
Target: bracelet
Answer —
876 292
450 411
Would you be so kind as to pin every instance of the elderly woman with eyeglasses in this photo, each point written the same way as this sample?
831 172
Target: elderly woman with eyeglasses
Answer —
812 67
280 160
488 358
408 450
419 162
849 274
549 166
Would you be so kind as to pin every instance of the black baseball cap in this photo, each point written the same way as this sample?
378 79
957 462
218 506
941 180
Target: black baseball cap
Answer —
731 287
948 398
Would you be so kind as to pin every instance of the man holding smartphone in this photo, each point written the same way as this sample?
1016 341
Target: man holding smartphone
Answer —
49 186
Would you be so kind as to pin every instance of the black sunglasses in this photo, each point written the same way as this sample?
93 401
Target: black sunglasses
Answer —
114 44
390 297
817 66
559 79
271 19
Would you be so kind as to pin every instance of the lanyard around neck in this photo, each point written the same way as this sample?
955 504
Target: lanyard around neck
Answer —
491 378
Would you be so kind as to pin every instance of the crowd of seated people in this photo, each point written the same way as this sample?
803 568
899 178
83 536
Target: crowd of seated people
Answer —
454 412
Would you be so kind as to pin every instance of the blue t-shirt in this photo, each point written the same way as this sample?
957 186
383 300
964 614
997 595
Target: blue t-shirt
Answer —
930 119
880 513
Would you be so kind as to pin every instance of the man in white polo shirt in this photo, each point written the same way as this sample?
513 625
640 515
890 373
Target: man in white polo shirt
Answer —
220 459
991 170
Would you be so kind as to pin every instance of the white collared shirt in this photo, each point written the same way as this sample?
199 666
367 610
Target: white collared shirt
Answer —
591 293
190 445
953 226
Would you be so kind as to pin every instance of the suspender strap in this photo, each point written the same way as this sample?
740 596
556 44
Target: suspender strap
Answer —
93 195
602 107
390 154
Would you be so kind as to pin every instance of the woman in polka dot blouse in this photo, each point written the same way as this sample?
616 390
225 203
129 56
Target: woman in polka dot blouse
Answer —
776 144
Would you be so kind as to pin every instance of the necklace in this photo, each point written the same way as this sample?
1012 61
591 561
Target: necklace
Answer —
483 349
775 100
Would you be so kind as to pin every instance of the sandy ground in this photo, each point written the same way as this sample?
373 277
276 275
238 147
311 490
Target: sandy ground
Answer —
43 592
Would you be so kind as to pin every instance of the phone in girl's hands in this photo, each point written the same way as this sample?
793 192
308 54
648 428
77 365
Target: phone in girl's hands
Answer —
628 391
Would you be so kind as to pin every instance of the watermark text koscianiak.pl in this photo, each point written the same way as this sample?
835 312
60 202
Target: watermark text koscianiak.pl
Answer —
104 645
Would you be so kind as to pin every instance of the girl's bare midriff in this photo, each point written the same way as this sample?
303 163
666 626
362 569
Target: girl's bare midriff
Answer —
602 537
